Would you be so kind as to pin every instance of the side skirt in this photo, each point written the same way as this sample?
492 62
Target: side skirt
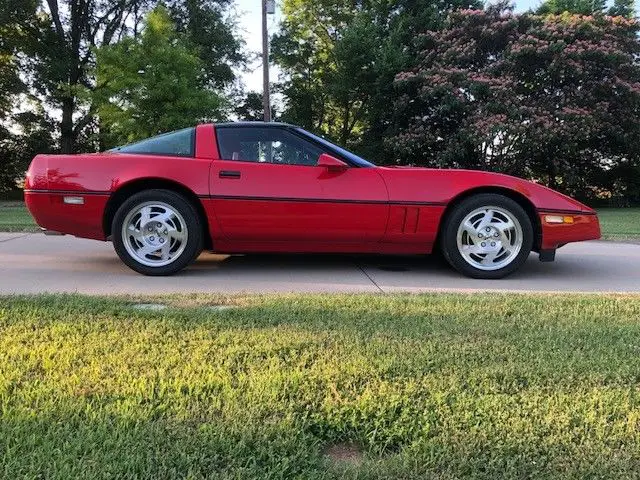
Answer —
221 246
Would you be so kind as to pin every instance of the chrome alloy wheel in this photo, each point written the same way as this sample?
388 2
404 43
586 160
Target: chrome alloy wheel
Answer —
154 233
489 238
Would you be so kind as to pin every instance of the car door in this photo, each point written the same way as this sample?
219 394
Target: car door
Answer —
266 186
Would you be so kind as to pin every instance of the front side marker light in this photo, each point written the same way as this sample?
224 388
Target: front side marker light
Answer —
73 200
558 219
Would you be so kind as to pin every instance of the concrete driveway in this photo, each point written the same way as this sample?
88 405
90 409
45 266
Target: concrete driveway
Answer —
34 263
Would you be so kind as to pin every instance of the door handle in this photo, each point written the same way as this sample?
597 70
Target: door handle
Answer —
229 174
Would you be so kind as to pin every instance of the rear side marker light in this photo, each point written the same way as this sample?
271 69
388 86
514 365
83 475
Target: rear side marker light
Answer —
558 219
73 200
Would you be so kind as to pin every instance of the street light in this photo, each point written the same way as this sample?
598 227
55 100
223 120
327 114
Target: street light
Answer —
268 8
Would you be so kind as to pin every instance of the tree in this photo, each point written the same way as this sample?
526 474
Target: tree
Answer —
340 58
61 51
58 39
207 30
624 8
581 7
13 14
554 97
250 108
151 84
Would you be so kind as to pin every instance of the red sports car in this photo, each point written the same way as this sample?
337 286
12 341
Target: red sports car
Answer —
272 187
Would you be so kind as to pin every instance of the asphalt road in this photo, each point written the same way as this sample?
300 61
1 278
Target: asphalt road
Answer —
33 263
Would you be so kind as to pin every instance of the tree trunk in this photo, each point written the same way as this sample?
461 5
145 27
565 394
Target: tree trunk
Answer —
67 134
552 174
344 131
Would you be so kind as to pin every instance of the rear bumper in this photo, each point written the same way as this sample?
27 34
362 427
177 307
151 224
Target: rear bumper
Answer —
585 226
82 220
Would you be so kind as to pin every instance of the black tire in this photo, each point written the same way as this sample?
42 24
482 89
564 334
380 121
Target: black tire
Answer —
449 235
193 245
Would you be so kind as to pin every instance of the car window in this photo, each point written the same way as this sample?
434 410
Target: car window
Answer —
341 152
180 143
266 145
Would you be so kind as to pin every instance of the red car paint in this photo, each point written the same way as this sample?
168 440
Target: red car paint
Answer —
266 207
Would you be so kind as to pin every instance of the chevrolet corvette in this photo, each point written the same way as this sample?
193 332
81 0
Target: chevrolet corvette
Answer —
272 187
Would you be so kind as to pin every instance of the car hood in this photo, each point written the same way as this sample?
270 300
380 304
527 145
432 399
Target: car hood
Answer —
441 186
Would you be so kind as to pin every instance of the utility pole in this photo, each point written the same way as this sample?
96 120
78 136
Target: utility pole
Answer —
266 102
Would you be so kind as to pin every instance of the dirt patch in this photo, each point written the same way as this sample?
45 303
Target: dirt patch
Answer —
345 454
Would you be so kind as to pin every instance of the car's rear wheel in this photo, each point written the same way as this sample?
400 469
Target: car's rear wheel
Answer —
157 232
487 236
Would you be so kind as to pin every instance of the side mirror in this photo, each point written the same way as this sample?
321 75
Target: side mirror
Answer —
332 164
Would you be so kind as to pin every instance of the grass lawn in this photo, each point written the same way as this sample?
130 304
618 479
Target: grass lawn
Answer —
620 223
360 386
14 217
616 223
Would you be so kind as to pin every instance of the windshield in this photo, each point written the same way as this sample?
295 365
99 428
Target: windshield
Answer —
361 162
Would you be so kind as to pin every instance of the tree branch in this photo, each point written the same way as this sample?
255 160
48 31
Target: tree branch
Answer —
83 122
55 15
104 21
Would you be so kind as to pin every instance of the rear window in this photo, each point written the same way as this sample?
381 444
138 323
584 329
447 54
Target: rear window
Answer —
180 143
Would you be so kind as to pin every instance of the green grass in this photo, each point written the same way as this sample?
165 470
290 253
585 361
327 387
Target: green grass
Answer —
430 386
620 223
616 223
14 217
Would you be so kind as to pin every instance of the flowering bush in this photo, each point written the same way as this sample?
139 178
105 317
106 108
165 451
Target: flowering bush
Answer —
555 98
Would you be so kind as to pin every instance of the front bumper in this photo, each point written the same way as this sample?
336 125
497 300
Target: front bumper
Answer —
583 226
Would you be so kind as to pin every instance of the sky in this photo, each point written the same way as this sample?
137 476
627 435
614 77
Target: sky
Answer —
250 24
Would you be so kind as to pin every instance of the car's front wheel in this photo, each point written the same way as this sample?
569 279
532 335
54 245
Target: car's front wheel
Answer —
487 236
157 232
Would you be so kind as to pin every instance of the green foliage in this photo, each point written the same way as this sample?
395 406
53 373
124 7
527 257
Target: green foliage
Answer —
625 8
56 40
250 108
16 17
203 26
340 60
427 386
32 134
582 7
554 98
151 84
8 165
59 47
